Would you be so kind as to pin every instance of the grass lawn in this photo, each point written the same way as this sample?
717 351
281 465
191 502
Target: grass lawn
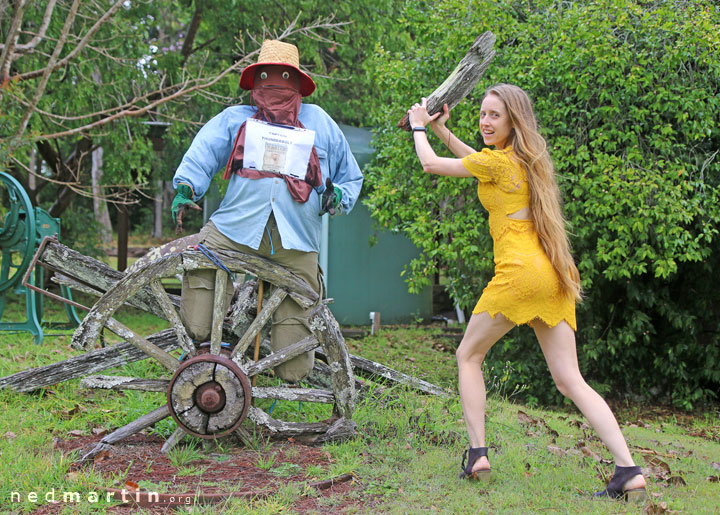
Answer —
405 458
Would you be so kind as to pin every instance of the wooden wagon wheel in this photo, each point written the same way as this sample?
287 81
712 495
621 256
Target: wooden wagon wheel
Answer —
209 394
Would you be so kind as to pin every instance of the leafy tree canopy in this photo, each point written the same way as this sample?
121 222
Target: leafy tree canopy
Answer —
626 92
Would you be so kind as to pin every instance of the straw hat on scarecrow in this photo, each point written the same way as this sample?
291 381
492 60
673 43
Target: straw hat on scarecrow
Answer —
275 52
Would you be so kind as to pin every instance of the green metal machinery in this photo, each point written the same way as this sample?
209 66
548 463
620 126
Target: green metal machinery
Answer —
22 228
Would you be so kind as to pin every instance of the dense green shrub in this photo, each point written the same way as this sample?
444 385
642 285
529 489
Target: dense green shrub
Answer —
626 92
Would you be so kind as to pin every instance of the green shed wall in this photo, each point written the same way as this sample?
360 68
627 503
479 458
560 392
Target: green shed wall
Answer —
362 278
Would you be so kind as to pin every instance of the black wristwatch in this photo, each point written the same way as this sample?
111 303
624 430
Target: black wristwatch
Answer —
419 129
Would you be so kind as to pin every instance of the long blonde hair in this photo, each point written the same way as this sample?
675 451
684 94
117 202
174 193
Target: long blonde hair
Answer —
545 201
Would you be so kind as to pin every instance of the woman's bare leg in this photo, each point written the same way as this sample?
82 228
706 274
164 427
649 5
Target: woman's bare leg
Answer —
481 334
558 346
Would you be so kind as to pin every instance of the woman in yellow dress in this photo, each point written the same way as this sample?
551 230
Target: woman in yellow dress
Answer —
536 280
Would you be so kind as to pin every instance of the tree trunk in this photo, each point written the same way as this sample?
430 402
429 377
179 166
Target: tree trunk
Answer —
100 209
463 78
32 182
123 230
158 214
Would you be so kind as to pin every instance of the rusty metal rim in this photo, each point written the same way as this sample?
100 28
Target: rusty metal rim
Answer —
235 369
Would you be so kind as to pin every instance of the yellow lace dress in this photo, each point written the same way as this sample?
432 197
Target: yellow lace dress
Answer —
525 286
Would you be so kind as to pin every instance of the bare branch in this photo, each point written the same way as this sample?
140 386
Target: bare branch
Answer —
159 114
142 104
35 41
80 46
12 38
48 70
138 111
118 197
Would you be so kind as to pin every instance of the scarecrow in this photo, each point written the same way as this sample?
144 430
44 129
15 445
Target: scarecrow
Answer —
286 162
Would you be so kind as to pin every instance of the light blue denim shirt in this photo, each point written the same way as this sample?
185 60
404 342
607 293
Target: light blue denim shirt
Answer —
247 205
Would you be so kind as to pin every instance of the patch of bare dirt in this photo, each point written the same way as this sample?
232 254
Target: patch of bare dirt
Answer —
136 466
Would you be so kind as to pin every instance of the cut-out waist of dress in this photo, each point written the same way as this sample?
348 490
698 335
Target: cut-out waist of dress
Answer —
501 225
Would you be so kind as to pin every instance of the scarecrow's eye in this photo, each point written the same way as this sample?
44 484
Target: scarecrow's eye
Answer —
285 75
263 75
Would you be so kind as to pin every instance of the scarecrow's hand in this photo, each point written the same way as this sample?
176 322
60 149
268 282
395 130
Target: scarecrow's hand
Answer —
181 203
331 198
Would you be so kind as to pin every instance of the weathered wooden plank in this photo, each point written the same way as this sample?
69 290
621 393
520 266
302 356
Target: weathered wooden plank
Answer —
281 356
463 78
96 276
172 247
128 430
89 363
152 350
125 383
260 320
327 331
280 427
373 370
218 312
340 430
144 299
172 316
293 394
241 309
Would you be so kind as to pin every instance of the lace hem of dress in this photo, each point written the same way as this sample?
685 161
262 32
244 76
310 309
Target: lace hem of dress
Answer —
529 319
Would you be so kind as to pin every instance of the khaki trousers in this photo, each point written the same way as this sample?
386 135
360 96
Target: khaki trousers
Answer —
288 322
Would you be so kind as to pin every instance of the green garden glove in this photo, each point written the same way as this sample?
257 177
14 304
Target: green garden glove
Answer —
331 198
183 199
182 202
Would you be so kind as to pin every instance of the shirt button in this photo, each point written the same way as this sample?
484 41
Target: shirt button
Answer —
272 200
276 181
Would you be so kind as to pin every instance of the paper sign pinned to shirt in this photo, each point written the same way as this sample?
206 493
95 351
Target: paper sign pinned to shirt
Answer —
277 148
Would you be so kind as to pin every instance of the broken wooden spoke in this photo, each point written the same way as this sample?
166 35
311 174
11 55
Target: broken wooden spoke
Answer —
293 394
326 330
281 356
218 314
125 383
376 371
262 318
174 439
172 316
164 358
130 429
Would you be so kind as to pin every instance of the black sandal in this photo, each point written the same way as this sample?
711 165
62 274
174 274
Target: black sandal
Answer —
615 490
472 455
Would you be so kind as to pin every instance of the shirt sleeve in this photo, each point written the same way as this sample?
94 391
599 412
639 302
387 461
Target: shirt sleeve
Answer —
484 165
209 152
